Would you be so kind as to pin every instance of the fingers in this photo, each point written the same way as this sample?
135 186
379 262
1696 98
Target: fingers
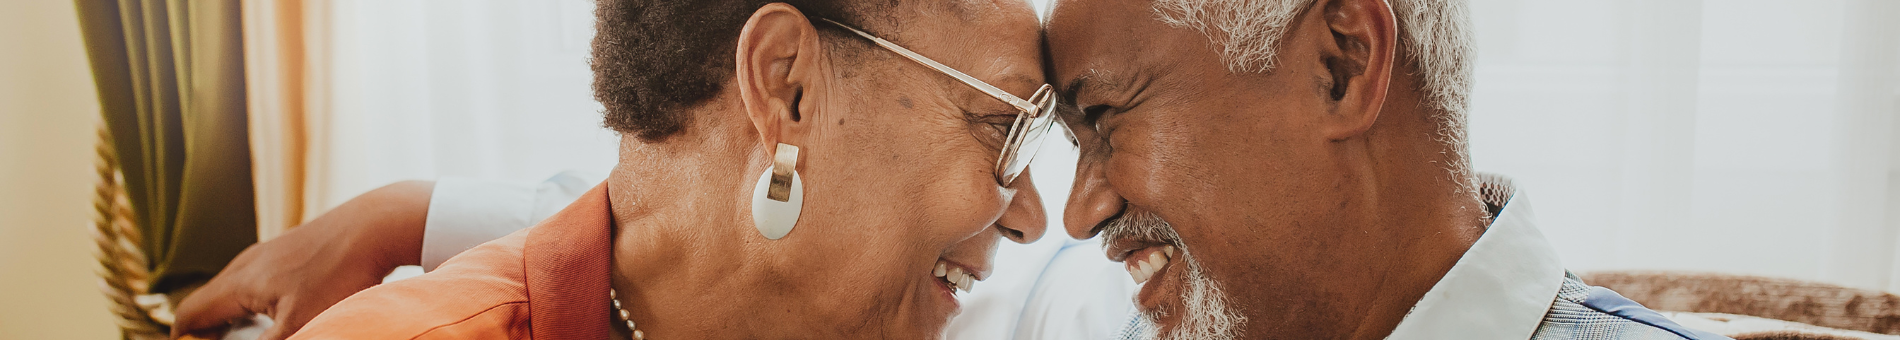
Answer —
291 316
209 310
279 331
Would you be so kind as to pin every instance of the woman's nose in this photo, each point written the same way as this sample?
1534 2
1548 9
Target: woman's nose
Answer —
1024 220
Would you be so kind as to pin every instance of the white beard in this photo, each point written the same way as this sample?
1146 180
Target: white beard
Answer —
1206 315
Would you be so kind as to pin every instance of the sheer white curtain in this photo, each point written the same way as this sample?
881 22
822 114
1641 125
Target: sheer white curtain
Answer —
1748 137
422 89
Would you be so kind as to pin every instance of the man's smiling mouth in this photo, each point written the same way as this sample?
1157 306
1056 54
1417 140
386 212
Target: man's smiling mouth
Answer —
1142 242
1143 264
1149 249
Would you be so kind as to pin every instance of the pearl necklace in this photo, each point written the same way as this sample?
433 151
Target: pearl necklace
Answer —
624 316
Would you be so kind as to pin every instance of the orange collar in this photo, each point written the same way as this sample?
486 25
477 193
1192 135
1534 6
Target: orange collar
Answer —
567 259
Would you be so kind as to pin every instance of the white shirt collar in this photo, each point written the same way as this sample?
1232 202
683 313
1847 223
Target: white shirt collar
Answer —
1500 288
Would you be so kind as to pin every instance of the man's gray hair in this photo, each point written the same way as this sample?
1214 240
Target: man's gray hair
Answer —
1434 37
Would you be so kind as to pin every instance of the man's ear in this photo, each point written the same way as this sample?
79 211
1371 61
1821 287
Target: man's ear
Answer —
1359 56
777 60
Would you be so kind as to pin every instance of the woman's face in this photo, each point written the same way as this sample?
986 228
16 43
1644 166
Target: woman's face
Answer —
898 168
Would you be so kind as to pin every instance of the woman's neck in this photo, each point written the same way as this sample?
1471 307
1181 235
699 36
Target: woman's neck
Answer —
682 258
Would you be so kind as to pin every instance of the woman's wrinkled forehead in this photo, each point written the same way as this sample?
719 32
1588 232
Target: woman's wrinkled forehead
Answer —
1000 45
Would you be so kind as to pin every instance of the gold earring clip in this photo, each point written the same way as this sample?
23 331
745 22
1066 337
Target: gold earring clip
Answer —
782 166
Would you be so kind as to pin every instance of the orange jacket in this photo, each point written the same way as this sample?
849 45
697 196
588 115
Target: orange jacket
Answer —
545 282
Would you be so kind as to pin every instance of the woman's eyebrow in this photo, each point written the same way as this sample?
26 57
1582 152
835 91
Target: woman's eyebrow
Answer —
1028 81
988 110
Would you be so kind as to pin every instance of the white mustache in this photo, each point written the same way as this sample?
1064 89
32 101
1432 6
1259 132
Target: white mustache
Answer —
1205 312
1140 225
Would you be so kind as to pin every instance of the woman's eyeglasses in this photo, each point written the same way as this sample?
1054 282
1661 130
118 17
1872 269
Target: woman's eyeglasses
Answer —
1026 135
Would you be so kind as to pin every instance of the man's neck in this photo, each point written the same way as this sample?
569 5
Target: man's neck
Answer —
1426 193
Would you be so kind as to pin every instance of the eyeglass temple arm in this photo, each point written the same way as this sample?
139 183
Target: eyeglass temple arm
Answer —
1019 103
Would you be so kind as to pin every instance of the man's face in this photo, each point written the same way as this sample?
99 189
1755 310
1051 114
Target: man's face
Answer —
1230 168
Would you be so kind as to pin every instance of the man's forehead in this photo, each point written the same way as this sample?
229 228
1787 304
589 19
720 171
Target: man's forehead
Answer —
1093 43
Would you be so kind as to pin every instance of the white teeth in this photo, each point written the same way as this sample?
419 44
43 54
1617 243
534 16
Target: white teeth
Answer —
1143 268
1158 261
1134 270
955 276
1148 268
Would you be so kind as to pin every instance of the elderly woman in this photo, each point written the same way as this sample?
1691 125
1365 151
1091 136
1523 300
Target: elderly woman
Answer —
782 174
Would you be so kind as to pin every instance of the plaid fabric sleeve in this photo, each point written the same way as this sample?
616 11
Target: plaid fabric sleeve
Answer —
1585 312
1136 328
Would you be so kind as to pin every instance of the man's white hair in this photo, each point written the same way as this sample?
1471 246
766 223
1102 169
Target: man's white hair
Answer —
1434 37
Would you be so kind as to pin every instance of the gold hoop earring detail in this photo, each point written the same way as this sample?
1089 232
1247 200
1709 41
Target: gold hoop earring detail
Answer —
778 196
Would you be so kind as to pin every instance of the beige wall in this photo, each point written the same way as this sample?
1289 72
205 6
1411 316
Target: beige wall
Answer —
47 116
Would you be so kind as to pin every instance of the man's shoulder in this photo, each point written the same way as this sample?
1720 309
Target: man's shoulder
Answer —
1582 311
480 293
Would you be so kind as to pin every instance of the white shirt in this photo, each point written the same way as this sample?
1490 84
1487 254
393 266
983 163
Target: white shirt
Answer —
1500 289
466 212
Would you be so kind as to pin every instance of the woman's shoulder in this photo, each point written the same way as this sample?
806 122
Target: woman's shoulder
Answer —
479 293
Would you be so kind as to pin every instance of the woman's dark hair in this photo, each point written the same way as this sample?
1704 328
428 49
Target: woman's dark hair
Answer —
655 59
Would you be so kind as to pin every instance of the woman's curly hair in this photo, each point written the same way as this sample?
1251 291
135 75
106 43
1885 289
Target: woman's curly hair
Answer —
655 59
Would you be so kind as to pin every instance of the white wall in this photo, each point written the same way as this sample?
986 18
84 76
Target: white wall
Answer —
1733 136
48 113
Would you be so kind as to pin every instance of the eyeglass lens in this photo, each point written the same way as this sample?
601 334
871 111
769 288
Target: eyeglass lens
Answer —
1032 129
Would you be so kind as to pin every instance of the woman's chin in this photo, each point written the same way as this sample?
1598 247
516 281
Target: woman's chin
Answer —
935 304
944 299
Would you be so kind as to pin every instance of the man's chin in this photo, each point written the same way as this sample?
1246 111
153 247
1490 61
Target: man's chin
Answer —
1161 300
1183 303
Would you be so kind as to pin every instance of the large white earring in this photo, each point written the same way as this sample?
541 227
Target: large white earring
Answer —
779 195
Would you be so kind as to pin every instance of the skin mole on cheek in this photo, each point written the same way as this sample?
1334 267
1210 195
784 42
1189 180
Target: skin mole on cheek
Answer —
905 101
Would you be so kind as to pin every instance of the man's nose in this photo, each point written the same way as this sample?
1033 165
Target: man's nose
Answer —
1091 201
1024 220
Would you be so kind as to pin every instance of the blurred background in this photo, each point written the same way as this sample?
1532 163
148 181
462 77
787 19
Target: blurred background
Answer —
1746 136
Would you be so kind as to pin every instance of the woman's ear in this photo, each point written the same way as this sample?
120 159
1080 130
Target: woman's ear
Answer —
777 58
1359 57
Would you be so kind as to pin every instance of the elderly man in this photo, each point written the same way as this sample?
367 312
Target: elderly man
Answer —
1298 169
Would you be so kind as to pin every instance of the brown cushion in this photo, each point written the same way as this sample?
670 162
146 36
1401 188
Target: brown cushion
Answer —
1804 302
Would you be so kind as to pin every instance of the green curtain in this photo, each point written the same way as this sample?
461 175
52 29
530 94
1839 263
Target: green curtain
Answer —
170 76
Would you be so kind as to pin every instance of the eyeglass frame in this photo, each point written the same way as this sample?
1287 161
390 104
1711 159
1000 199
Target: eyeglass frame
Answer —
1038 112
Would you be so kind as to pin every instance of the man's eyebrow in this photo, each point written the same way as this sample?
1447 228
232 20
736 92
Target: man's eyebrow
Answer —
1066 94
1092 80
1068 90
